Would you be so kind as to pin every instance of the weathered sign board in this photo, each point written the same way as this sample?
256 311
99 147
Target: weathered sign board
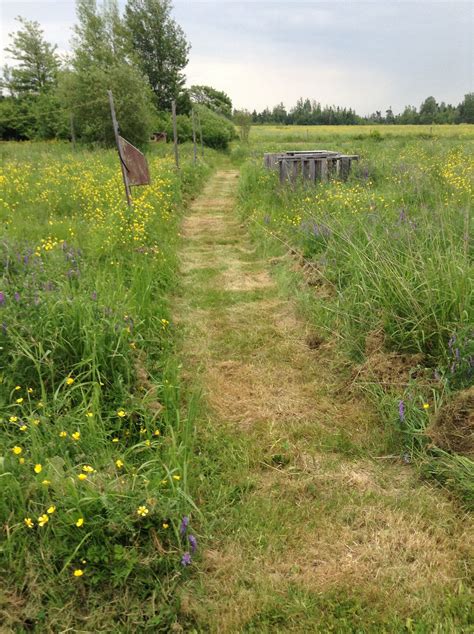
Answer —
135 163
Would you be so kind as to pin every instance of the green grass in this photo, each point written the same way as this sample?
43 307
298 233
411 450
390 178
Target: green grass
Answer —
389 249
95 451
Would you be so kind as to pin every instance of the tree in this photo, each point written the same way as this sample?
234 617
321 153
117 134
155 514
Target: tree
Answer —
37 61
160 46
466 109
428 110
243 119
213 99
103 61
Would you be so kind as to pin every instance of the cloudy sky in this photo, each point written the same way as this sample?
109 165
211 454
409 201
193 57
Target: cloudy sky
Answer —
368 55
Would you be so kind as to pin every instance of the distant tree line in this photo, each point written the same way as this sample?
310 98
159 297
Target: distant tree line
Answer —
139 55
310 112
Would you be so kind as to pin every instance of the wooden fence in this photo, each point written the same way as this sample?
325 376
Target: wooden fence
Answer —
310 166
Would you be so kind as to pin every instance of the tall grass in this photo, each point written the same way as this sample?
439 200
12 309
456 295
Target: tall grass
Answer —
93 466
391 248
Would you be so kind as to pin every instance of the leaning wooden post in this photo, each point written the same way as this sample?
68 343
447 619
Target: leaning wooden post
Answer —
117 141
73 132
194 137
200 134
175 133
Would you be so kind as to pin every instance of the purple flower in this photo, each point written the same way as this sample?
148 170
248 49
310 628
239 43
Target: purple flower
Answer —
17 296
193 543
184 525
401 411
186 559
93 296
2 298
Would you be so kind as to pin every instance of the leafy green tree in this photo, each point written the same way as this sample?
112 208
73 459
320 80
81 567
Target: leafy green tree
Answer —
466 109
102 62
428 110
215 100
160 46
243 119
37 63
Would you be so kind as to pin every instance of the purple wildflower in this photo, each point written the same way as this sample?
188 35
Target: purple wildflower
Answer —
184 525
193 543
2 298
401 411
17 296
94 296
186 559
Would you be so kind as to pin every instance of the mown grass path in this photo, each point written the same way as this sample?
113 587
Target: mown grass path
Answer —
306 526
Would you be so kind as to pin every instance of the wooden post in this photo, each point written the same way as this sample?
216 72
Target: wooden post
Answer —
175 133
312 170
345 168
200 134
194 137
122 163
73 133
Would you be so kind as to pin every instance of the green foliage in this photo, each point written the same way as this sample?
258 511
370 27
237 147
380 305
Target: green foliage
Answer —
160 47
89 387
215 100
37 61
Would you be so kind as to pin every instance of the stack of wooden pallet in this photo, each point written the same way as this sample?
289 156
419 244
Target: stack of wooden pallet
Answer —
310 165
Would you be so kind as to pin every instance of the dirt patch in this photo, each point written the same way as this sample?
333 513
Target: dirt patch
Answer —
453 427
235 279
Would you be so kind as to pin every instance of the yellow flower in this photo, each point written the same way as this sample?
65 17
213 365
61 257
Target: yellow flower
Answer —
36 421
69 380
89 414
76 435
176 477
38 468
426 405
165 525
119 464
40 404
29 522
13 419
142 511
23 428
78 572
46 482
147 443
18 387
121 413
17 450
142 430
51 509
43 519
19 401
80 522
30 390
156 432
82 476
62 434
115 439
88 469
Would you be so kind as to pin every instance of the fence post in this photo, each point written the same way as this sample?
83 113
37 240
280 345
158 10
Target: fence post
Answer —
194 137
200 134
175 133
117 141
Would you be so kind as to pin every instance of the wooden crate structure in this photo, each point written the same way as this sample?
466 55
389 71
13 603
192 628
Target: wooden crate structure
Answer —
310 166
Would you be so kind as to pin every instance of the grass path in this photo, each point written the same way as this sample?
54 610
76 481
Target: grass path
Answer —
307 527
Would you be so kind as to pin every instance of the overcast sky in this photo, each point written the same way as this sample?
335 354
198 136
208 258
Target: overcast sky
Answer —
368 55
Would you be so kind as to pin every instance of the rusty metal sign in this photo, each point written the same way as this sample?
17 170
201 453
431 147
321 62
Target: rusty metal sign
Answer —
135 163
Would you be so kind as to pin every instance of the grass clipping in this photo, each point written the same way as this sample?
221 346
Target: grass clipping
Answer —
453 427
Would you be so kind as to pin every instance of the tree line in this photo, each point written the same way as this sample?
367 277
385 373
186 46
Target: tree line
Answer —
139 55
310 112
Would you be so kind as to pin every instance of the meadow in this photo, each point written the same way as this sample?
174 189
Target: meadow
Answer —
94 451
112 481
387 273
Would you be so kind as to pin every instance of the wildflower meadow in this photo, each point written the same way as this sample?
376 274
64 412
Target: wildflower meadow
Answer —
94 450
